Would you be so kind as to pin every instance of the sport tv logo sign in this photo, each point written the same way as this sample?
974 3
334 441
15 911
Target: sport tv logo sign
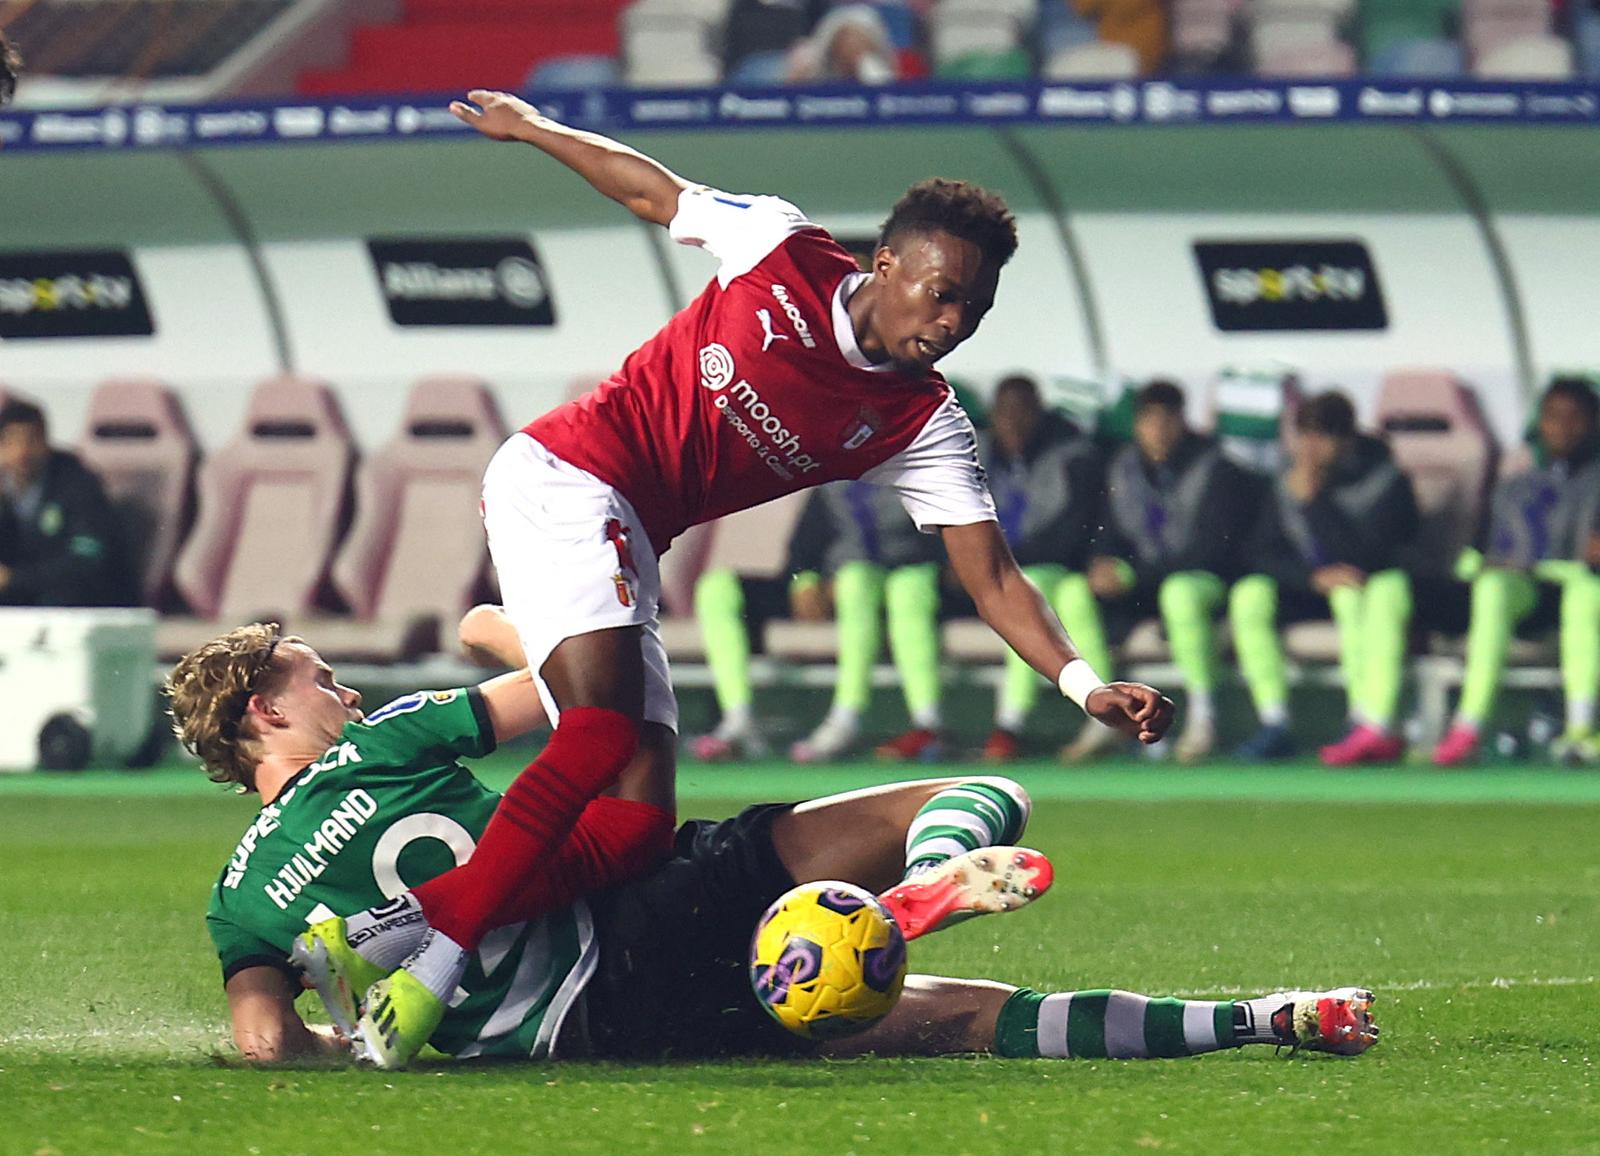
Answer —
71 293
1291 285
483 281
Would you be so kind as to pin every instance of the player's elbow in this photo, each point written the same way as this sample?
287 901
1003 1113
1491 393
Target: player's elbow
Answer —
651 208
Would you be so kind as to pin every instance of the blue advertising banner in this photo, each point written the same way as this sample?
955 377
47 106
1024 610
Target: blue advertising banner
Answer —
1214 101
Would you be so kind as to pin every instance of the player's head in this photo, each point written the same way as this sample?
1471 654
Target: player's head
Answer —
10 67
1326 424
1158 424
24 442
239 697
937 267
1569 415
1016 412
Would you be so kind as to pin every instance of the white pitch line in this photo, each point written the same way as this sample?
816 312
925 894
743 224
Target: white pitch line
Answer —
1451 985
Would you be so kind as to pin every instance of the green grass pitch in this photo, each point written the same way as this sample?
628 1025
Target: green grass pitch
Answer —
1471 903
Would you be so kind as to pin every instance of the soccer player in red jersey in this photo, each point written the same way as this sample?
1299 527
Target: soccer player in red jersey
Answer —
793 368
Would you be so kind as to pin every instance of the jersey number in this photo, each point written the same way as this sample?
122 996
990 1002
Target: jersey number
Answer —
394 841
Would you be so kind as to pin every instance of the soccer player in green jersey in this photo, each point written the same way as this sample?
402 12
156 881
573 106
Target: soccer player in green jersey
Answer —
356 808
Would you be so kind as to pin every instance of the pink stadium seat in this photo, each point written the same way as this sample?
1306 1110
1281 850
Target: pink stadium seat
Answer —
751 542
1439 437
416 558
272 505
1541 57
1496 28
1202 28
139 442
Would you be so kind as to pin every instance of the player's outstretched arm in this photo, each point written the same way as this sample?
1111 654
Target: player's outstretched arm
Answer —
647 188
1018 613
267 1029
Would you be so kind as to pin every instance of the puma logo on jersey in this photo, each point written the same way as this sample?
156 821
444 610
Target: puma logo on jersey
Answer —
751 417
780 294
768 336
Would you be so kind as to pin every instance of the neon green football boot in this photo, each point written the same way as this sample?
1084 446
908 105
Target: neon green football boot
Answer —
1338 1021
323 953
401 1014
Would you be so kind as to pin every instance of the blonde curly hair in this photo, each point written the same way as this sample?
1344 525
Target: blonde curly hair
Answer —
209 690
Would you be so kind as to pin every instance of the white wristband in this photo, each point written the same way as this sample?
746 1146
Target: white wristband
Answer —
1078 680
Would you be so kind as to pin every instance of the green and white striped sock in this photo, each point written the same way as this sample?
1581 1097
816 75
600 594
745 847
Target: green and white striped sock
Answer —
1118 1025
982 813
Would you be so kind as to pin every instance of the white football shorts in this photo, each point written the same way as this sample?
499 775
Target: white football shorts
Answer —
572 558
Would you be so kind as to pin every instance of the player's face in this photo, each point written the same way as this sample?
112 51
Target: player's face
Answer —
23 452
1563 426
311 699
934 291
1320 450
1014 416
1157 430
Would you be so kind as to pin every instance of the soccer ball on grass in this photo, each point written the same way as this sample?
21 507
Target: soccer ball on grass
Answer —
827 960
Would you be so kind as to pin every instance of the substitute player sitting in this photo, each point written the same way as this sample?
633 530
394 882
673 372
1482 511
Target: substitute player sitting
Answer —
357 808
793 368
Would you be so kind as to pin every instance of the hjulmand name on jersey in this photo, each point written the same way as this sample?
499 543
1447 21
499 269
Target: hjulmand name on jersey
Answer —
764 431
343 821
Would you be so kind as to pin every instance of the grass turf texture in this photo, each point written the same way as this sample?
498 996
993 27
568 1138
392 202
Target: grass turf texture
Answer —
1474 919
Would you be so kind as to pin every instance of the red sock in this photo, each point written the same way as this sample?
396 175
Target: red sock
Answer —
587 752
614 841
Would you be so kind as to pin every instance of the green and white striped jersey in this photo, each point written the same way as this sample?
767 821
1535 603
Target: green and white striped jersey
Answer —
383 810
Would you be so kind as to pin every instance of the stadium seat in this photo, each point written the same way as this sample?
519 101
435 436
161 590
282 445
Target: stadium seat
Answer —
1326 9
1093 61
272 504
415 558
1060 28
1275 35
581 70
1202 30
760 69
1012 64
1493 29
139 442
1440 438
1333 59
1422 57
1542 57
1586 36
960 28
668 43
901 21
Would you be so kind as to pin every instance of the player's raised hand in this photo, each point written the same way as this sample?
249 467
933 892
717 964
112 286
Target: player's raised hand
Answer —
1139 711
497 115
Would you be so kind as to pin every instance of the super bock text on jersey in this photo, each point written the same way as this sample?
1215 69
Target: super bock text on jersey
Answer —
384 809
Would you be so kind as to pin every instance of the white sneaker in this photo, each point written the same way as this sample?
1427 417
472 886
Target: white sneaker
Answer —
1198 740
829 741
1094 741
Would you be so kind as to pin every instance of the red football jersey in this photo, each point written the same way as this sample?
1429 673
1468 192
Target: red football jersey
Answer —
758 388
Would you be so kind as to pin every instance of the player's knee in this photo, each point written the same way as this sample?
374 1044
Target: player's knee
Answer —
480 624
1177 598
1015 792
1252 598
1392 590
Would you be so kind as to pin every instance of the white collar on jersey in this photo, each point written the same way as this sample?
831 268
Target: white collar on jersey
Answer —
845 333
